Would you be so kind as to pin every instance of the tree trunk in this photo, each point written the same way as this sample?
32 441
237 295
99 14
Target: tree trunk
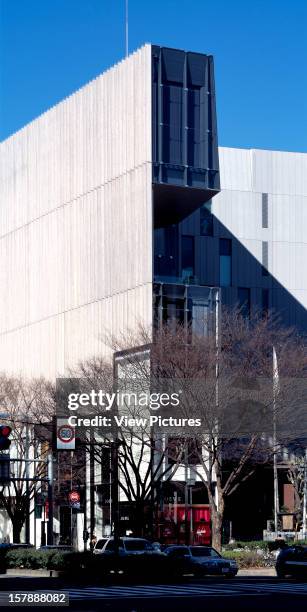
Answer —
17 527
216 526
217 515
139 519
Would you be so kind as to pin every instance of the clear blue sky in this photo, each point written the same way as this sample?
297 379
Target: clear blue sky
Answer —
50 48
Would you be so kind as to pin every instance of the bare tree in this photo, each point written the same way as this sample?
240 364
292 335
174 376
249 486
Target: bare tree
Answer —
26 404
296 476
142 459
230 387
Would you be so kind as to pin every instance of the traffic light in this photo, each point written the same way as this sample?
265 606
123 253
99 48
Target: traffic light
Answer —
5 431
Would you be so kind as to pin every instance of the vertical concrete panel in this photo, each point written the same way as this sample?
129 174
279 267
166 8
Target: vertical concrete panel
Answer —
76 223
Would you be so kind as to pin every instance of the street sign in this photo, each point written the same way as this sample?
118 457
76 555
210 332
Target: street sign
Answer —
65 435
74 499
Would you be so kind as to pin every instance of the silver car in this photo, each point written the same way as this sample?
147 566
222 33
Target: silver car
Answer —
127 546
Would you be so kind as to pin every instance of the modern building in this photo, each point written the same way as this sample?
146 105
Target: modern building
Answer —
118 208
82 188
116 190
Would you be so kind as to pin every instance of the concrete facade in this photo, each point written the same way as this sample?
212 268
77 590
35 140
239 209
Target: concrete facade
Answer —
248 176
75 217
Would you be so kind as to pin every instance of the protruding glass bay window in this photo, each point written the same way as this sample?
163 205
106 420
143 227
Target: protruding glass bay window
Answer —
193 306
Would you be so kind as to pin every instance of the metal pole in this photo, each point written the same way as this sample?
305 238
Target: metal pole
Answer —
92 492
27 484
275 473
71 525
35 514
50 500
115 471
115 498
186 499
110 490
43 528
191 516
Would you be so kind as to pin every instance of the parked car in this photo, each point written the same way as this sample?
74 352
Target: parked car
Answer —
292 561
127 546
200 561
138 559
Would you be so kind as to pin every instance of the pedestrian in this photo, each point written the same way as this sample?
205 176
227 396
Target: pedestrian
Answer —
93 541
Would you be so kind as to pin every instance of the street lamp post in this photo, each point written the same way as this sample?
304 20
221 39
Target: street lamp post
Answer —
50 500
275 472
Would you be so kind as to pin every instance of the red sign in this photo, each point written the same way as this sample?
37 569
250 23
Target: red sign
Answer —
74 499
74 496
65 435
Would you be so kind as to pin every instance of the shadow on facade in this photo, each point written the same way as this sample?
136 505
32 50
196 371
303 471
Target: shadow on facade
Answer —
201 250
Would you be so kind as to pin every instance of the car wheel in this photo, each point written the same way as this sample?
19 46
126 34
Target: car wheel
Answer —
199 573
231 575
280 573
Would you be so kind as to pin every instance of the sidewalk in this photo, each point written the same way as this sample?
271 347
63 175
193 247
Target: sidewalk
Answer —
257 572
33 573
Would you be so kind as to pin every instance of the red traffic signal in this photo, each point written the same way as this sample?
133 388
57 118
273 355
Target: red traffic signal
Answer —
5 431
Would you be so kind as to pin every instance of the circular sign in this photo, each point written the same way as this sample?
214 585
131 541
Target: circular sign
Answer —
66 433
74 497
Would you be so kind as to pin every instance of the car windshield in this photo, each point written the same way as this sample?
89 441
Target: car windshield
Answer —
177 552
137 545
100 544
111 545
203 551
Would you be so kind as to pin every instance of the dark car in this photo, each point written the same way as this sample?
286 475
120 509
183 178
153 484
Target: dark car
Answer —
134 557
200 561
292 561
